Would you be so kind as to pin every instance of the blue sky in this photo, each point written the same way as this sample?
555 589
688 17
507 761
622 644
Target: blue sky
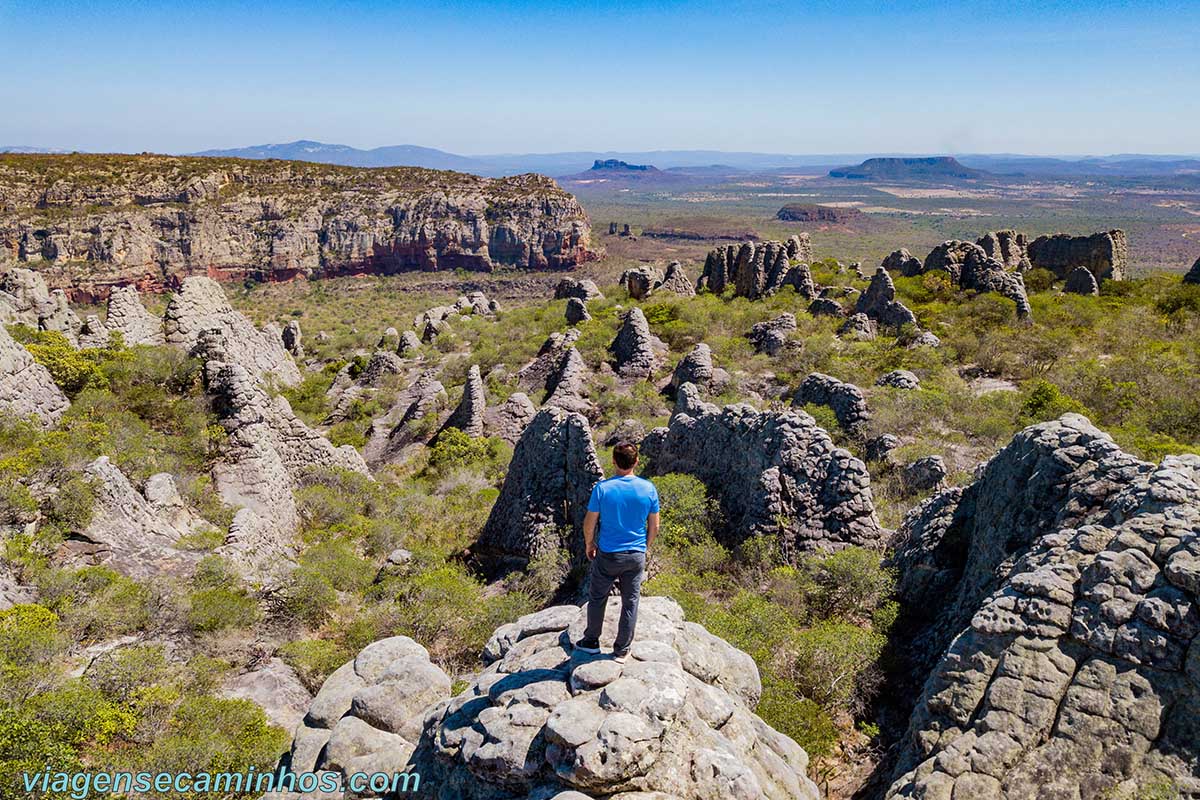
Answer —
487 77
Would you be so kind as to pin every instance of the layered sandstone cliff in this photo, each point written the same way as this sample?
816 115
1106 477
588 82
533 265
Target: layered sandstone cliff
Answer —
90 222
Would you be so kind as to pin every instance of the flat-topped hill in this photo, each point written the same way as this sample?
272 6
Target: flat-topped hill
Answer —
898 169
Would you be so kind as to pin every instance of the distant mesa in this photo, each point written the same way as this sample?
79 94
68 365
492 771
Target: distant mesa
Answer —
898 169
616 165
810 212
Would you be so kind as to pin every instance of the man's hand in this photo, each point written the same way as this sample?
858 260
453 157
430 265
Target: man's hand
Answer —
591 552
589 534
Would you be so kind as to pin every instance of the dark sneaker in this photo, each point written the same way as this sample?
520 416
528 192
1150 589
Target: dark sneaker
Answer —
620 656
588 645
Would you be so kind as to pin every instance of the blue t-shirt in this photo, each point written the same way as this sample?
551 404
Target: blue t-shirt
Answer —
623 502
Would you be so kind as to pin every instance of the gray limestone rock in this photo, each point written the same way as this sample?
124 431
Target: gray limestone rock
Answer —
576 311
1008 247
405 423
26 388
902 263
696 368
508 420
924 474
676 281
630 430
899 379
566 387
880 304
775 473
1082 281
93 333
408 345
25 299
582 288
800 278
920 339
273 687
880 448
860 327
545 493
1193 275
389 340
1050 613
468 415
799 248
639 282
200 306
826 307
1105 254
127 315
541 375
845 399
635 350
771 337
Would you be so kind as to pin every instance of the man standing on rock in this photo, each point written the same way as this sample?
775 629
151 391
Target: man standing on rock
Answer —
627 509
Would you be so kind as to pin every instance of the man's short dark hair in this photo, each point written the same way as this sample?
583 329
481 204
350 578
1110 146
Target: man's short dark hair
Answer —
625 455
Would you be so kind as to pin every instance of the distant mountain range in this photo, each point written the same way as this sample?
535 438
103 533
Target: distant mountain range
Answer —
937 168
697 163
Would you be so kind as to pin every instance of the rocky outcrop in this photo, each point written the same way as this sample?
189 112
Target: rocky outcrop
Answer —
800 278
635 350
93 333
543 374
582 288
696 368
754 269
970 267
90 222
274 687
899 379
545 493
1082 281
293 339
566 387
903 263
629 430
406 423
799 248
130 533
771 337
576 311
409 345
129 317
1193 275
25 299
508 420
879 449
845 400
639 282
1106 255
880 304
268 452
859 327
774 473
476 303
200 308
468 415
26 388
825 307
1051 617
543 720
346 389
924 474
676 281
1008 247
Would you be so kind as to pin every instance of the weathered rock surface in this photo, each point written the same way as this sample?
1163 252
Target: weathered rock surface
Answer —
26 299
93 333
635 350
899 379
1052 619
774 473
755 269
346 389
545 493
880 448
576 311
860 327
676 281
771 337
468 415
696 367
275 688
1106 255
880 304
545 373
1193 275
409 345
1082 281
566 387
970 267
845 399
826 307
508 420
674 722
293 339
26 388
903 263
583 288
404 424
799 248
629 430
639 282
127 315
1008 247
93 221
924 474
200 307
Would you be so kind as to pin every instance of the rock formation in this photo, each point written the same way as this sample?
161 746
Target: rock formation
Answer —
800 278
924 474
201 307
543 373
26 388
405 422
880 448
1082 281
129 317
566 387
1051 616
468 415
755 269
845 399
639 282
799 248
635 350
25 299
1193 275
860 327
93 333
771 336
346 389
880 304
545 493
293 339
676 281
970 267
903 263
899 379
508 420
275 687
696 368
1008 247
629 430
583 288
576 311
475 303
774 473
542 720
409 345
1106 255
826 307
104 220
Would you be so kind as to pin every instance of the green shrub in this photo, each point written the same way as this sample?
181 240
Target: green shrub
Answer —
834 662
217 600
73 370
848 584
314 659
1039 279
1045 401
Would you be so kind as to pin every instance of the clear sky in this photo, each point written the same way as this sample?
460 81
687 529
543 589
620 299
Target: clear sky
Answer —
1046 77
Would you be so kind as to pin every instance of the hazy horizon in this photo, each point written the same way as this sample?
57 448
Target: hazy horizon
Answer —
515 77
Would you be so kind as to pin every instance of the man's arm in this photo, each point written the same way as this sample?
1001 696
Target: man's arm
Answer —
589 532
651 528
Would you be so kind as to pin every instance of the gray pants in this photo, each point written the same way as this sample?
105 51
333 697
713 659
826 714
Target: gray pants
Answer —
625 569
